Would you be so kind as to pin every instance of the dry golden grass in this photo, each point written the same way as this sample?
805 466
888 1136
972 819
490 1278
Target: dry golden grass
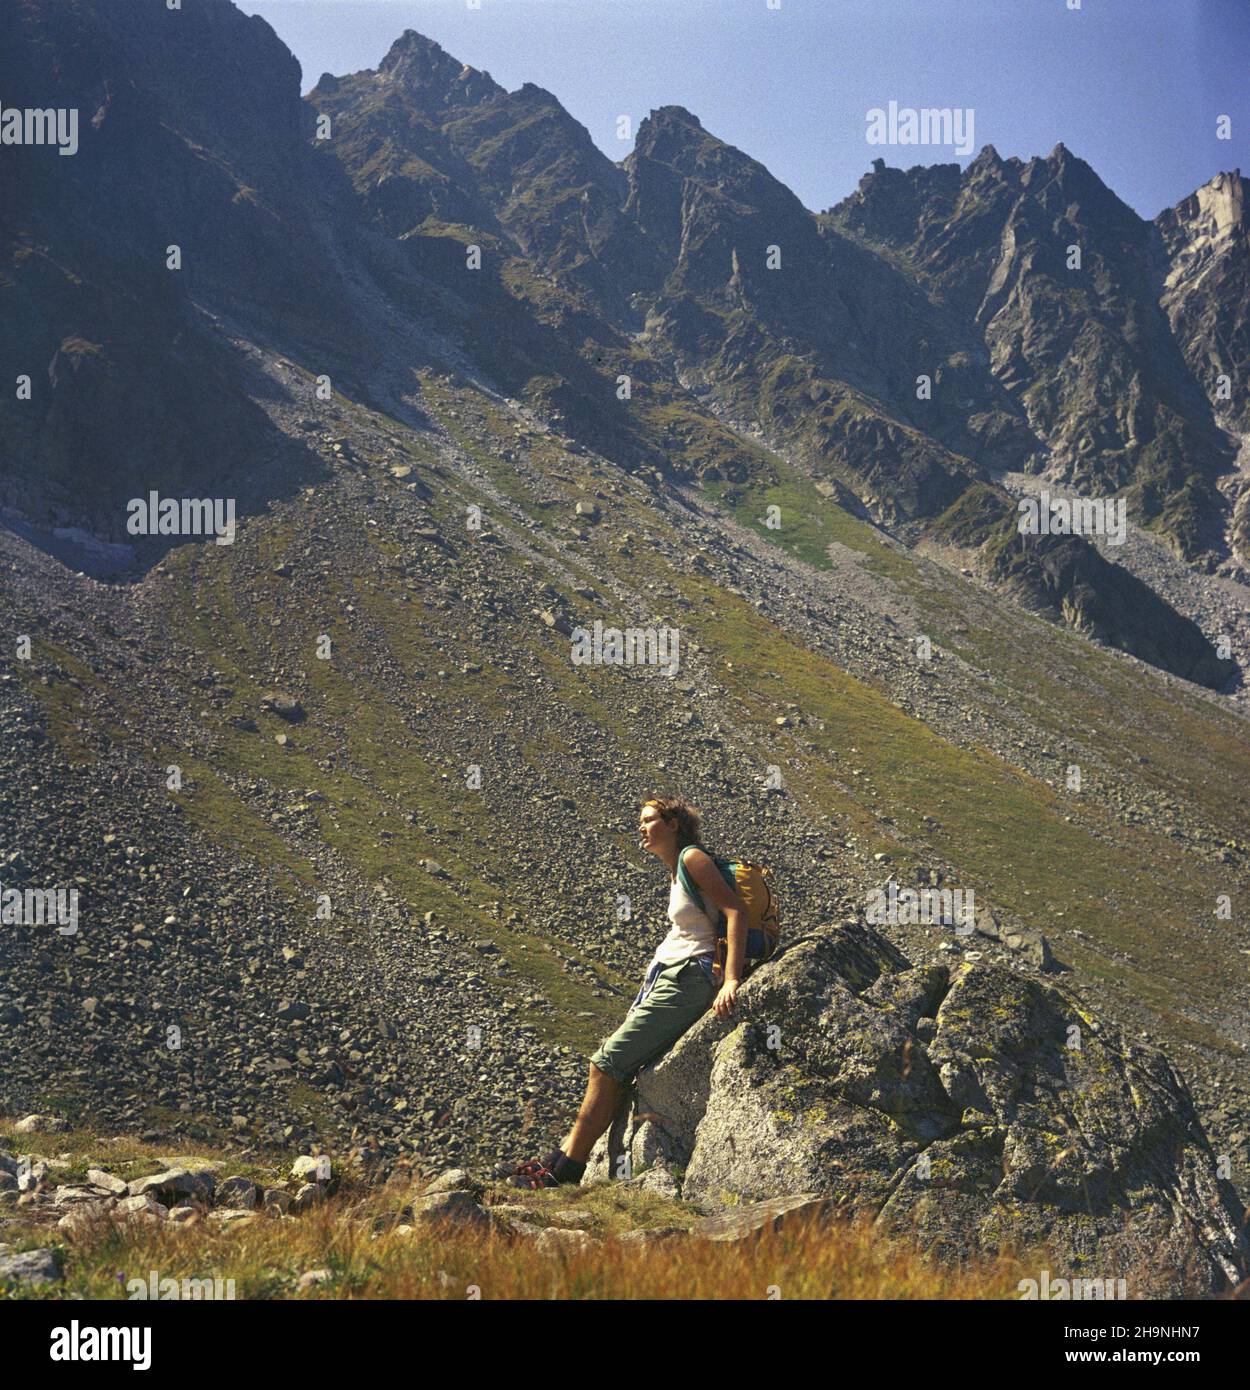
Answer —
353 1236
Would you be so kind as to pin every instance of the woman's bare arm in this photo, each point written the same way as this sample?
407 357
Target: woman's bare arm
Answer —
717 894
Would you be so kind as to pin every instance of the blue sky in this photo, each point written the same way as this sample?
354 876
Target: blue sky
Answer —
1133 86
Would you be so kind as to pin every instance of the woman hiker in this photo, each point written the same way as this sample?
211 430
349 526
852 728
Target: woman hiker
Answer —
675 994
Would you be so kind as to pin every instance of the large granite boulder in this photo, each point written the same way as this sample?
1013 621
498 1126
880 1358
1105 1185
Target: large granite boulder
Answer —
979 1110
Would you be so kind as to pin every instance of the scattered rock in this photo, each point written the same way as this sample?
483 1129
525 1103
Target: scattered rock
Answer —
99 1178
141 1206
31 1267
454 1180
654 1236
174 1184
229 1219
307 1197
41 1124
285 706
571 1216
306 1168
239 1193
742 1223
553 1241
453 1208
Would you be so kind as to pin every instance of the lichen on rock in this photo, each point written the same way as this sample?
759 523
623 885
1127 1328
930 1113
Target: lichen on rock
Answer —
1020 1123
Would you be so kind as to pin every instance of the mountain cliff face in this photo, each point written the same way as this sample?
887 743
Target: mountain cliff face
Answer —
774 360
1086 349
901 379
1207 299
193 143
766 313
425 138
1205 294
823 346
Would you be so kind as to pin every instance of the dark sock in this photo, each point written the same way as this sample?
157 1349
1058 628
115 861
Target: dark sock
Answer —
563 1167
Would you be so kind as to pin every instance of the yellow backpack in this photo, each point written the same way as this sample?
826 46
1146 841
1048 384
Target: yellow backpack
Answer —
752 883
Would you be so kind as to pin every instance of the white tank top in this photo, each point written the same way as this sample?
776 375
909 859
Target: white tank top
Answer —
692 933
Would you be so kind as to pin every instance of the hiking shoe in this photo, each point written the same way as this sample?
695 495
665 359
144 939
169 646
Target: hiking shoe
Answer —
509 1170
533 1175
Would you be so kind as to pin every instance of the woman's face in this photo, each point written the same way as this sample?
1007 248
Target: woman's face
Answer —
654 833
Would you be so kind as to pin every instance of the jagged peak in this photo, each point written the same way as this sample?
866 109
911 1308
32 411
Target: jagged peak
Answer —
410 42
413 41
1069 171
531 91
419 62
987 158
668 131
672 115
1062 160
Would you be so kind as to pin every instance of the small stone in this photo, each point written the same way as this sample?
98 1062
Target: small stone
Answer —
453 1180
656 1235
84 1215
99 1178
308 1196
31 1267
283 705
231 1219
456 1208
571 1216
553 1241
173 1184
141 1206
69 1195
43 1124
239 1193
743 1223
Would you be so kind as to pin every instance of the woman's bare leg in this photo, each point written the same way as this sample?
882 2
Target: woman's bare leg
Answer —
603 1095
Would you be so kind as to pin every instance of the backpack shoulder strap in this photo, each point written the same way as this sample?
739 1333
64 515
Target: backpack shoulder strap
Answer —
687 882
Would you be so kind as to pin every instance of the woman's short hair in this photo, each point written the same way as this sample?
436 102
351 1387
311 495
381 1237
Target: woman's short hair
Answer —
677 811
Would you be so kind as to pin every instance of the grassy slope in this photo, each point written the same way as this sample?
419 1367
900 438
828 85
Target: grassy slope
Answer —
1047 855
